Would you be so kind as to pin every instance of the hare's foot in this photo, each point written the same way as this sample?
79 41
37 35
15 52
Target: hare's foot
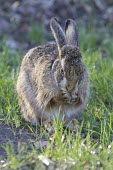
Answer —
73 125
32 121
35 122
49 126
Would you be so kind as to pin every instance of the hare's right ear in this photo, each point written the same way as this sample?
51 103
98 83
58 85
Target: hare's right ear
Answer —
58 34
71 32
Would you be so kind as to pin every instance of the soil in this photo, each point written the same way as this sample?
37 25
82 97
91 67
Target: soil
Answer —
9 133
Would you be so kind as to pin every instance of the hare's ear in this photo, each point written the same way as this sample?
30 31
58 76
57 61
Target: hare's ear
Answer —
58 34
71 32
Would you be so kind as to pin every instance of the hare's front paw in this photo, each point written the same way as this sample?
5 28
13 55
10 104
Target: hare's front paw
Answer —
66 97
73 125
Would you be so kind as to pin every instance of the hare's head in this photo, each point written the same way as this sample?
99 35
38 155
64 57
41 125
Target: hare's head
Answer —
68 69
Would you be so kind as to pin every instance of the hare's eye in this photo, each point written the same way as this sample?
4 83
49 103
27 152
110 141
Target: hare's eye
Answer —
62 72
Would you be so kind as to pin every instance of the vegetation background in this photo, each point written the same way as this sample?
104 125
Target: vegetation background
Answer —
25 24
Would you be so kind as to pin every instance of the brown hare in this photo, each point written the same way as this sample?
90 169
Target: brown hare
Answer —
53 78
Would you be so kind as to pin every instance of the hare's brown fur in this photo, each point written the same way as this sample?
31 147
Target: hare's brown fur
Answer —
43 90
29 98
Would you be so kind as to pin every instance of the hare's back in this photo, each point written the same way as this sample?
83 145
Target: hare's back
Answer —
46 51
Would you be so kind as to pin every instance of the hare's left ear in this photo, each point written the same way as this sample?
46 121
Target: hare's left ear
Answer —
71 32
58 34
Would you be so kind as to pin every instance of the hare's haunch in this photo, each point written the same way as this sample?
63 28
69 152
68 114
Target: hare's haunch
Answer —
53 77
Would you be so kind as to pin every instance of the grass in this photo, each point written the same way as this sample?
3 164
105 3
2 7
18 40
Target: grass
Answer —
93 146
37 29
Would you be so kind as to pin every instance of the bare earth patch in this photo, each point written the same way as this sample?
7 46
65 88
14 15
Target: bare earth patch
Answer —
14 135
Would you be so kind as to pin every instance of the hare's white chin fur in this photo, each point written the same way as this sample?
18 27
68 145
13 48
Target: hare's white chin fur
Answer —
62 62
63 84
